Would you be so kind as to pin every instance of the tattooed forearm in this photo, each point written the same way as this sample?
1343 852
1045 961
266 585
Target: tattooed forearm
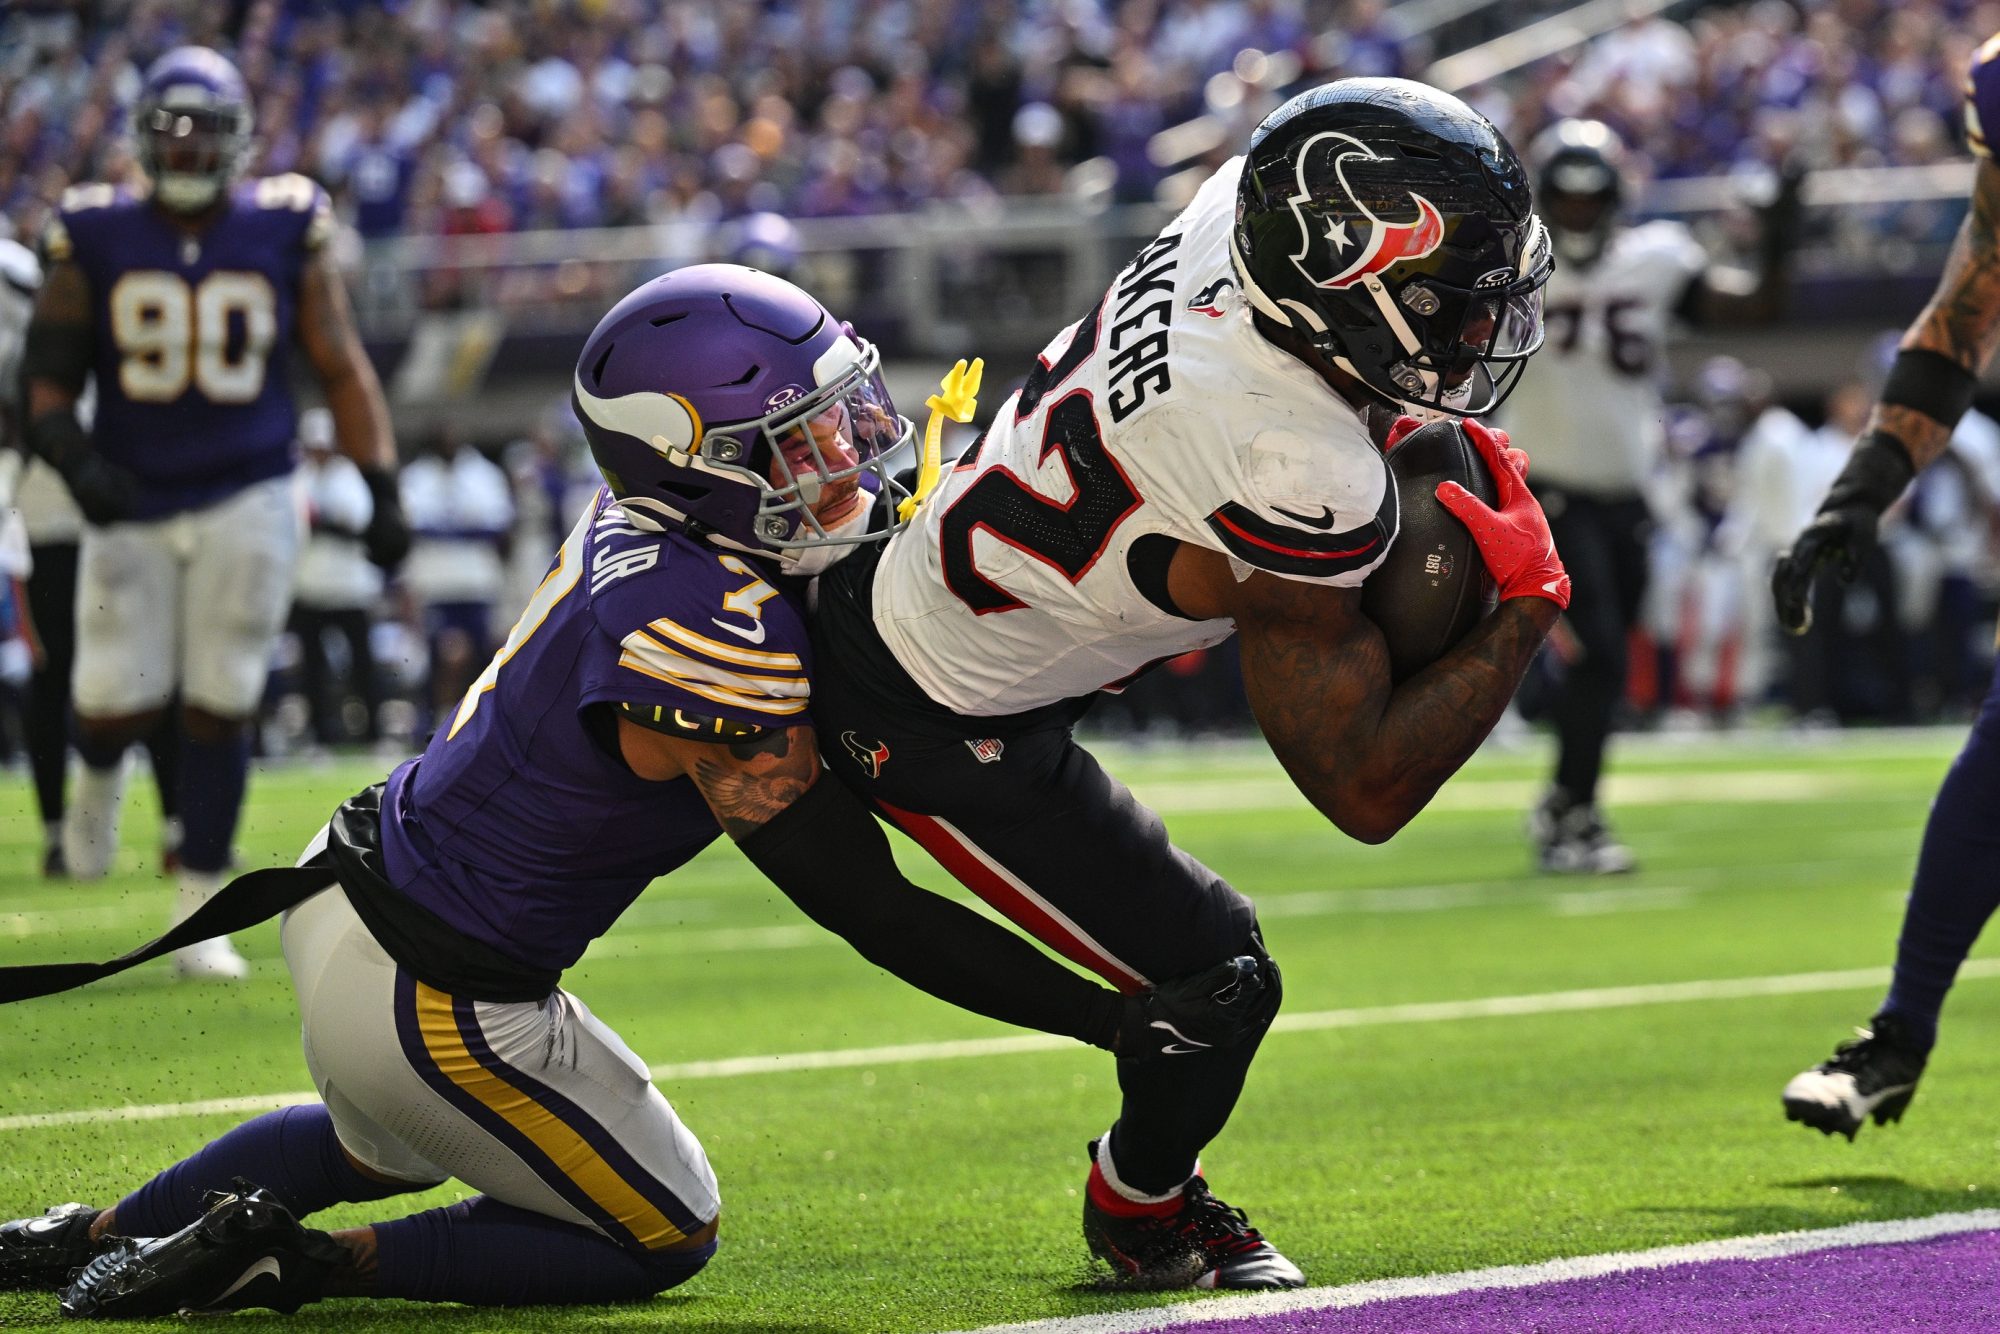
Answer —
1962 320
1369 756
747 783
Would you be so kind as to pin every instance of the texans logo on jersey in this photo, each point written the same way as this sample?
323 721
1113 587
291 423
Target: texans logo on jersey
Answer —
1337 252
1206 301
870 755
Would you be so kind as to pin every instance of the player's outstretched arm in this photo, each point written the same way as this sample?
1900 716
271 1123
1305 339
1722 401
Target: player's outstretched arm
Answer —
1928 390
816 842
354 396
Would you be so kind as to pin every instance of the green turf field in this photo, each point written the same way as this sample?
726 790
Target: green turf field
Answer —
899 1194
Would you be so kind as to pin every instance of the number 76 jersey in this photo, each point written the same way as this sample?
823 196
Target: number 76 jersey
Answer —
190 332
1038 569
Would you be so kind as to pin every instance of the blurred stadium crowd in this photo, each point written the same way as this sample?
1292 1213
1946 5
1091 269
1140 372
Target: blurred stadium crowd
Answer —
450 117
455 118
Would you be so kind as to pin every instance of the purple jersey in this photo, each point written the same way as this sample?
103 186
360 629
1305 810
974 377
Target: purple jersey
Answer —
519 825
1982 96
191 333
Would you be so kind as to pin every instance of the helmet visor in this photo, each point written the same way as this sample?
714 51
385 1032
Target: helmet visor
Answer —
1479 339
827 458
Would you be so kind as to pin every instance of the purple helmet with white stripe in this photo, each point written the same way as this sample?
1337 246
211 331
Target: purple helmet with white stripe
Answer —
192 123
730 405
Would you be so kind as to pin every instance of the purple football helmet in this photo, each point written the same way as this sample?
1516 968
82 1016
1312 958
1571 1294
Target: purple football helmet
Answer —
192 124
730 405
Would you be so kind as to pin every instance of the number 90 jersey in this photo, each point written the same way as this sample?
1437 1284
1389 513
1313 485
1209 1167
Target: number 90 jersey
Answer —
190 332
1588 408
1037 571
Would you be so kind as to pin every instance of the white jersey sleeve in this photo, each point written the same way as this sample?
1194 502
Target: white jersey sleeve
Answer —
1588 409
1037 570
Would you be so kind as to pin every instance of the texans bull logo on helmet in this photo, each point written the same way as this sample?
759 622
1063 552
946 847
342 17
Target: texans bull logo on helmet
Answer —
1340 254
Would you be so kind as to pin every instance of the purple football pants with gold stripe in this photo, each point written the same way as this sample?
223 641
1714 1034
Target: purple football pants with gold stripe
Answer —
534 1104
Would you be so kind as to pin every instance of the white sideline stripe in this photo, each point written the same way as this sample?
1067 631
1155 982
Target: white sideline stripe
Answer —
1189 796
1422 1012
1766 1246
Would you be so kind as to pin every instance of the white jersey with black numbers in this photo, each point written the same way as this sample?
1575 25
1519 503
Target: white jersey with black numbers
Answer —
1037 571
1588 408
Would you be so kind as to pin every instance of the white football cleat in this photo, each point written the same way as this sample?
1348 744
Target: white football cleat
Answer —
212 960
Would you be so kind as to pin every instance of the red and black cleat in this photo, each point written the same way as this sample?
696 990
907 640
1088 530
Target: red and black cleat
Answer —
1204 1243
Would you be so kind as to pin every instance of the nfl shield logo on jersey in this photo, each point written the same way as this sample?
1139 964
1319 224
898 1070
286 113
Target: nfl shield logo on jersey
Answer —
986 750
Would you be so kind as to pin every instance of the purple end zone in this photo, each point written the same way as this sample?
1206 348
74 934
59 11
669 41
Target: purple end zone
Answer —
1949 1283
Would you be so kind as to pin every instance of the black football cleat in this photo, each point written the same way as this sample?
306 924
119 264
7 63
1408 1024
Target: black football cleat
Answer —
40 1254
1573 839
246 1250
1874 1074
1205 1244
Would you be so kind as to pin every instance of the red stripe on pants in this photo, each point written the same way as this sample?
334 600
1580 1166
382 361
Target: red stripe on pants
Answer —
956 856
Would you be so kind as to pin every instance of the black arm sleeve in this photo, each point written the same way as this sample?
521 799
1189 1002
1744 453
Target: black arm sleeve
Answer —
828 855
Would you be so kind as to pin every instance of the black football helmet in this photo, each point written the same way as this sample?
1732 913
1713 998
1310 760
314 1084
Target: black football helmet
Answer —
1392 226
1579 168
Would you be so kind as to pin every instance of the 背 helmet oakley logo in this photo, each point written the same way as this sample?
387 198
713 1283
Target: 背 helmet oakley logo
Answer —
1337 256
790 394
1205 301
870 755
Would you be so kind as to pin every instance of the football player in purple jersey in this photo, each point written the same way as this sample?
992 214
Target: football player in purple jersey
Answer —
1957 884
653 695
182 298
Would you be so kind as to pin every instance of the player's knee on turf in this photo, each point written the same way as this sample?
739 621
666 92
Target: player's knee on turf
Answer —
1230 1004
672 1267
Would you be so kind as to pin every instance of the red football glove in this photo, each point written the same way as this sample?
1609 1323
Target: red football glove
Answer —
1398 429
1513 540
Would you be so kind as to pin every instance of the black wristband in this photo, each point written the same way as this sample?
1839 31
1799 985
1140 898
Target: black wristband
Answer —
58 437
828 855
382 487
1931 383
1875 475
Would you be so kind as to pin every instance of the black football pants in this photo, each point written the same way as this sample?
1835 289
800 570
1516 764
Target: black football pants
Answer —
1028 820
1602 543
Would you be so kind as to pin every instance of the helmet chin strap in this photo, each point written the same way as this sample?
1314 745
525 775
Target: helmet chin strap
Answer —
805 562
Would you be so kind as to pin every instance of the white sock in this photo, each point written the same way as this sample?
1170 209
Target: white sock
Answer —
1123 1191
195 888
90 826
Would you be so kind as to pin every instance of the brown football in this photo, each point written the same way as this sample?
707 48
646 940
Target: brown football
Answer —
1432 588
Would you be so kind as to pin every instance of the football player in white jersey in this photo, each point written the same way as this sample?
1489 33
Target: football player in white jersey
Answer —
1592 407
1194 459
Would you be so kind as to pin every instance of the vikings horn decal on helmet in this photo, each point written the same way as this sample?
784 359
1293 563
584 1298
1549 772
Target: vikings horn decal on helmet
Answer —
191 123
1376 247
1390 225
730 405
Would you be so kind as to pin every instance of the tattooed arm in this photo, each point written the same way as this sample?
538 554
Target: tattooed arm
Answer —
1369 755
1927 390
817 843
1961 322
